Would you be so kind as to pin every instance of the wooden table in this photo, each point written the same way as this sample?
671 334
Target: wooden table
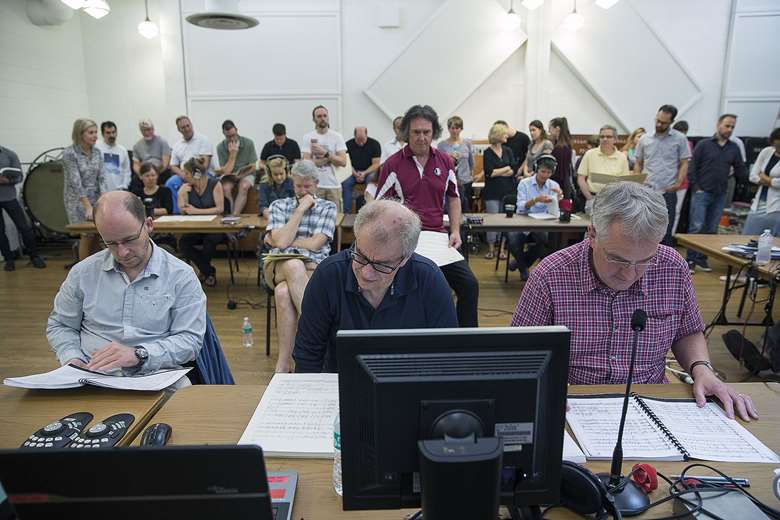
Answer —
712 246
219 414
23 412
248 221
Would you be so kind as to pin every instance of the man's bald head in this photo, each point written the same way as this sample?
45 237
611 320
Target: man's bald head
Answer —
388 220
119 205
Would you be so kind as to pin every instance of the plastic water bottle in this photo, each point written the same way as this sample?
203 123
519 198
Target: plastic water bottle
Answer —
246 333
337 455
764 254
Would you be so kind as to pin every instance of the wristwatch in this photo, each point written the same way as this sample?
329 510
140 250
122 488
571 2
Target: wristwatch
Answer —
142 354
327 154
700 362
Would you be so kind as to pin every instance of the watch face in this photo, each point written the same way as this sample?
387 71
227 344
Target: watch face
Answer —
141 353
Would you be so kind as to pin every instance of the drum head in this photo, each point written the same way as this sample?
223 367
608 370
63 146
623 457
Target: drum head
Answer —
43 195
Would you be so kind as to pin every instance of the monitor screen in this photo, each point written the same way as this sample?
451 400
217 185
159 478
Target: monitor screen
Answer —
394 385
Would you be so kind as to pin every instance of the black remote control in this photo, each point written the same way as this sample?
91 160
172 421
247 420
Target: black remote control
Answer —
104 434
59 433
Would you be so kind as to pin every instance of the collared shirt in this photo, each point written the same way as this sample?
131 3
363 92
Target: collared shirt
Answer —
116 166
162 310
11 168
319 219
528 189
661 156
423 190
418 298
289 149
245 155
391 147
564 290
183 150
712 163
596 161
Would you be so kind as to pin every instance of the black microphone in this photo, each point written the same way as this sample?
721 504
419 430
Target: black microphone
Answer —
629 499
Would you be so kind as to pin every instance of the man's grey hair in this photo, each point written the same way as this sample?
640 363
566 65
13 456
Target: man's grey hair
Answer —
640 211
145 123
405 224
305 169
608 127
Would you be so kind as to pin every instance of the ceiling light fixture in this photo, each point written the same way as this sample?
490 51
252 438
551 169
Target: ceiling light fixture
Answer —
96 8
511 20
532 4
148 29
574 20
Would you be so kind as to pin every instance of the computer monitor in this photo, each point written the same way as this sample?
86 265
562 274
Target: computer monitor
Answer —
395 384
159 482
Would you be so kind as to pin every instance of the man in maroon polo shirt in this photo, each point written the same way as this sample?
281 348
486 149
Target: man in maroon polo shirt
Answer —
423 179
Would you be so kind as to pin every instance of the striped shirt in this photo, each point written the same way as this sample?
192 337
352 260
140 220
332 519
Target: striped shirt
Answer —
319 219
564 290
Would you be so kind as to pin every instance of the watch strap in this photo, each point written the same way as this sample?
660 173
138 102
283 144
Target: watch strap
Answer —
700 362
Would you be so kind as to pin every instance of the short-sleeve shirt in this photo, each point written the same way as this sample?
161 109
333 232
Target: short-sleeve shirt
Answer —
334 143
183 150
319 219
289 149
465 163
390 148
596 161
362 156
423 190
528 189
519 144
151 150
246 153
564 290
661 155
9 162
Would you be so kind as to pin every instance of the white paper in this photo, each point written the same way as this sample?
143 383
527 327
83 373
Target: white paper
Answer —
71 377
436 247
571 451
295 416
542 216
185 218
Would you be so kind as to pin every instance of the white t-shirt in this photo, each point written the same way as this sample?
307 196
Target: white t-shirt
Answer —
390 148
183 150
331 141
116 166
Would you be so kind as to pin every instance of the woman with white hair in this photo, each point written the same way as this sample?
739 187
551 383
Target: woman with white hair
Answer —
84 176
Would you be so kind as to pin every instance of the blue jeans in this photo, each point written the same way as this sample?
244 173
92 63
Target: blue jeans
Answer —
756 223
670 198
706 209
346 192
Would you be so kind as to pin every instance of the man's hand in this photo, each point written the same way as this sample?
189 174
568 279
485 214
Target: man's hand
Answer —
546 199
232 147
674 187
113 355
305 203
557 191
317 150
705 383
455 240
78 362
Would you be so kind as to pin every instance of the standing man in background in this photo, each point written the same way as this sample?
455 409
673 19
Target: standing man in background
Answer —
116 161
708 179
364 152
327 149
663 156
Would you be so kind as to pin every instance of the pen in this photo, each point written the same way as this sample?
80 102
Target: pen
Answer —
742 481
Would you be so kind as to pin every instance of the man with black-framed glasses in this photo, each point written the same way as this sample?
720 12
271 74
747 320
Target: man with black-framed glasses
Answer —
131 308
594 287
379 283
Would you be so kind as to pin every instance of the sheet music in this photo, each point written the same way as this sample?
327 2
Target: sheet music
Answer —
185 218
571 451
542 216
436 246
295 416
595 422
707 434
69 376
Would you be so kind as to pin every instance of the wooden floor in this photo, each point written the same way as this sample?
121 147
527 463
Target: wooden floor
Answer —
27 295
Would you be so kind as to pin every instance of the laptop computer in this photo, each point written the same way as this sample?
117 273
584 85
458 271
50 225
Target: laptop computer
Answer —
150 482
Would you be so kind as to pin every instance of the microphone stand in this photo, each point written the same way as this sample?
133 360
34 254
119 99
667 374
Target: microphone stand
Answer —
628 498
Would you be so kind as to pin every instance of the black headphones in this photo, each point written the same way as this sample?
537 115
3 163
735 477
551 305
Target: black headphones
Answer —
547 158
584 493
272 158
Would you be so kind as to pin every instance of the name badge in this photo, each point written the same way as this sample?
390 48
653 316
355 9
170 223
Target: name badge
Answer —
437 172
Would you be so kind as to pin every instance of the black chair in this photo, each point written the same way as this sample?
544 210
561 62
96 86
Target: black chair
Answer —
503 236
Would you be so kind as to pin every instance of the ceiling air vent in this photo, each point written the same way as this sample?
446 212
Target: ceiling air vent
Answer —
223 15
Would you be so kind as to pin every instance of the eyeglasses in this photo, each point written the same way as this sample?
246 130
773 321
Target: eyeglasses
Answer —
116 243
644 264
378 266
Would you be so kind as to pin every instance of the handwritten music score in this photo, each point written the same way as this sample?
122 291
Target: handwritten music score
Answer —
295 416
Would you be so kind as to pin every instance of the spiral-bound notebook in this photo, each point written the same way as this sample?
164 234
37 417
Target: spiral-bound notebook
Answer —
662 429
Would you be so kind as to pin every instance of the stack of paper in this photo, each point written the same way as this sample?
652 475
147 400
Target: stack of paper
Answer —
71 376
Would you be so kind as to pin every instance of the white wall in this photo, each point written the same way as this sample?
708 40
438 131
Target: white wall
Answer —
623 64
42 82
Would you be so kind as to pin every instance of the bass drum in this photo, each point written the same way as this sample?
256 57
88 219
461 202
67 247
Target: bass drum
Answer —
43 192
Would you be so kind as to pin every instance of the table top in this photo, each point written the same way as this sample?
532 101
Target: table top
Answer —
248 221
499 222
219 414
25 411
712 245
